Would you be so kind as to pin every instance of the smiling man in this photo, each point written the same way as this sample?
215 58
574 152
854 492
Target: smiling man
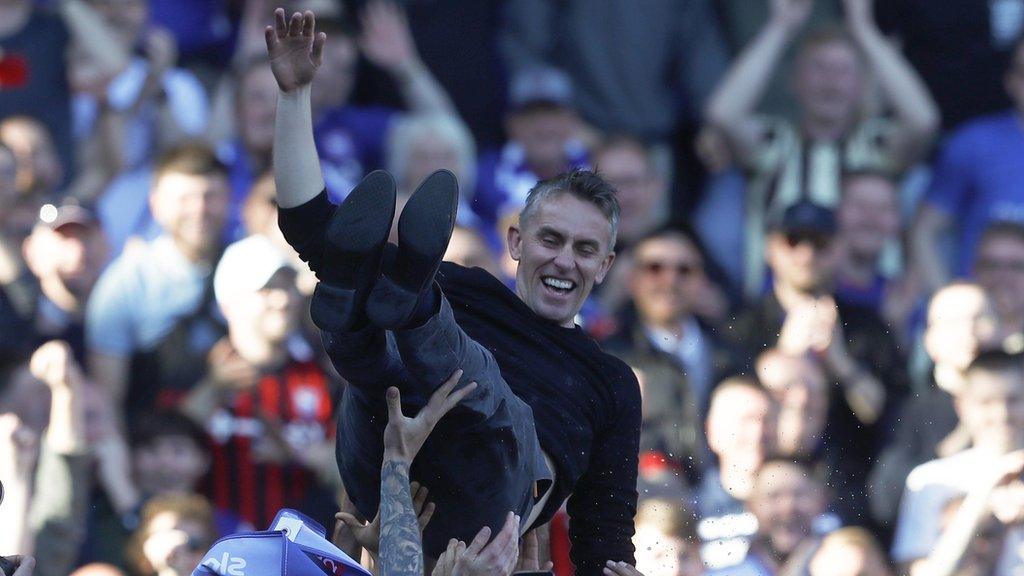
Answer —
552 416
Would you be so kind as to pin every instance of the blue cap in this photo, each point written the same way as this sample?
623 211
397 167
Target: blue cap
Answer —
805 216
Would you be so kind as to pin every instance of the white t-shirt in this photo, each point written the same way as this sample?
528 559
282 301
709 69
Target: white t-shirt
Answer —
930 487
140 296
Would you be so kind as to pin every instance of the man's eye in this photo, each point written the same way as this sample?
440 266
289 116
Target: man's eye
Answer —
549 240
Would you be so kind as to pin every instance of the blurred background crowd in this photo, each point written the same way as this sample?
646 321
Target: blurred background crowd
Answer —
819 282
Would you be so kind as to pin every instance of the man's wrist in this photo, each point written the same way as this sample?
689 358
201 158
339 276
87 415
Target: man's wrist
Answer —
396 458
296 94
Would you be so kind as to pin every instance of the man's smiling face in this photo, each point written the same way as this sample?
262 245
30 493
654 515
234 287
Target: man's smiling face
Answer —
563 249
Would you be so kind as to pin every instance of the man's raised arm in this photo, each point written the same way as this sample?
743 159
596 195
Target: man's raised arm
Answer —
917 115
732 105
296 51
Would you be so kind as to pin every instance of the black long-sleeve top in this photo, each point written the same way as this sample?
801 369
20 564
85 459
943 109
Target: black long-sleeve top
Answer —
586 406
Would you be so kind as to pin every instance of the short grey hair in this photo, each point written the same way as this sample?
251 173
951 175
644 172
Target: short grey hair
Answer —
585 185
441 129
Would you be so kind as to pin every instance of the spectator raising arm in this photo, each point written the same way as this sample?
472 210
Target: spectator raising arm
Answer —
387 42
401 547
952 548
732 105
93 36
917 116
60 505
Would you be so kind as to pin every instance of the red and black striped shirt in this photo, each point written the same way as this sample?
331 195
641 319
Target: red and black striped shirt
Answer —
296 401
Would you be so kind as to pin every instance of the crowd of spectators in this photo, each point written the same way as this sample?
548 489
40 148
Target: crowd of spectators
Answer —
819 278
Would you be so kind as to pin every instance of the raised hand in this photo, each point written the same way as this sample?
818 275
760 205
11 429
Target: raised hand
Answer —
498 557
296 50
791 14
228 370
403 437
387 40
53 364
367 534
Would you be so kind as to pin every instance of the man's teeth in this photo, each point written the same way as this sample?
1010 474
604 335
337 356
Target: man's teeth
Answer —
559 284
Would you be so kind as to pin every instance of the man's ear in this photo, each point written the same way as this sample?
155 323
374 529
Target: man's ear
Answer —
606 265
514 238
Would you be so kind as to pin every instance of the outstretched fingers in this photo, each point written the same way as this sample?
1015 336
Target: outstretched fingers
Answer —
308 23
295 25
318 49
280 23
444 399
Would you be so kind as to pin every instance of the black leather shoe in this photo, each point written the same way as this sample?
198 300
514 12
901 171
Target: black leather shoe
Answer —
355 240
424 230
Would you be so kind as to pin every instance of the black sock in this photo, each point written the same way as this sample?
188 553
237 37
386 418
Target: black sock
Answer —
427 305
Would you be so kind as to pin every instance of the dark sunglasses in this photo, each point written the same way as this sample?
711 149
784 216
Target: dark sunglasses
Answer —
817 241
655 268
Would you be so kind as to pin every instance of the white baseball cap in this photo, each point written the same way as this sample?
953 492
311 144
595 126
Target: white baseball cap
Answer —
247 266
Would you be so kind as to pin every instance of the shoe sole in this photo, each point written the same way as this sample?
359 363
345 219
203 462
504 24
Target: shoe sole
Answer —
362 223
424 231
356 236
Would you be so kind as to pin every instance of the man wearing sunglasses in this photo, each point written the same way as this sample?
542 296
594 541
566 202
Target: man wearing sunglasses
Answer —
799 314
679 355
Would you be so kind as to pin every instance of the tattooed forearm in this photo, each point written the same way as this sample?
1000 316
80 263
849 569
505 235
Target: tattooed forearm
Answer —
401 550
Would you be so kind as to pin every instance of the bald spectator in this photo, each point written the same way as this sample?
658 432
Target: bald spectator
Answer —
790 159
150 322
999 269
679 353
975 182
961 322
740 433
